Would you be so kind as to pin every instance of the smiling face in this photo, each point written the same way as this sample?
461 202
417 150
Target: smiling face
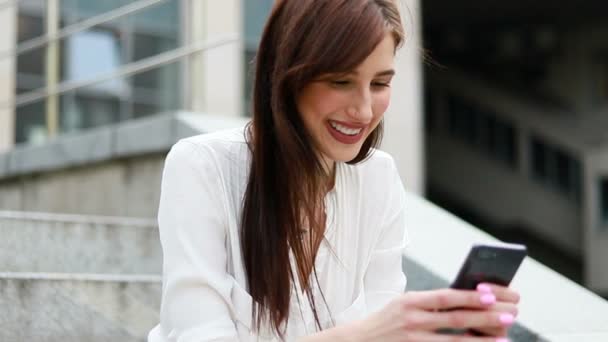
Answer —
340 110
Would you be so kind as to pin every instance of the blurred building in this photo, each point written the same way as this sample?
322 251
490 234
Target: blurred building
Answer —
517 121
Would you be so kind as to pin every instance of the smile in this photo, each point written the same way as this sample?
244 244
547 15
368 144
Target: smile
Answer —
345 130
345 134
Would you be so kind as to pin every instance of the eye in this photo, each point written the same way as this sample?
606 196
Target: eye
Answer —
381 84
340 83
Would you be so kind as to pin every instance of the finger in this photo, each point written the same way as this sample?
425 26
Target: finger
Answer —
494 332
445 299
434 337
470 319
505 307
502 293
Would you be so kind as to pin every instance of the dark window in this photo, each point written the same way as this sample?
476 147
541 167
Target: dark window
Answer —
504 148
538 156
556 169
30 123
429 110
603 203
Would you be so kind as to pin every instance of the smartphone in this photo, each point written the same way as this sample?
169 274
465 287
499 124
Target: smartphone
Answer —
486 263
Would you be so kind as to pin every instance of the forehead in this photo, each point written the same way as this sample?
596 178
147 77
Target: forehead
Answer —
381 58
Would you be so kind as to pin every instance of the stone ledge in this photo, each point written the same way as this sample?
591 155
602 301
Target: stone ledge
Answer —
74 218
153 134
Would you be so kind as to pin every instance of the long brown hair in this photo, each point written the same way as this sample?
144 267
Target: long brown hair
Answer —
302 40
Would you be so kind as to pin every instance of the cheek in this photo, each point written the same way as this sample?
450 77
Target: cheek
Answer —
329 102
381 102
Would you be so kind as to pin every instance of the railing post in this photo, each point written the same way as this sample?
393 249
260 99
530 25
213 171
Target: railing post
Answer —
52 68
8 64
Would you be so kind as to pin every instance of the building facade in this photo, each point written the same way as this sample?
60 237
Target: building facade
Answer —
516 122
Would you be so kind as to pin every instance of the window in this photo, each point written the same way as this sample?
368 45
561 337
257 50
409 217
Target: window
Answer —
603 192
255 16
482 129
429 110
94 52
555 168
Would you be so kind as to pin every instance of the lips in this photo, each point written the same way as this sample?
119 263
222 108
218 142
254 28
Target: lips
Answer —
343 132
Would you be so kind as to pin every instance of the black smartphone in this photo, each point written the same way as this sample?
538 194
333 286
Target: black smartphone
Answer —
487 263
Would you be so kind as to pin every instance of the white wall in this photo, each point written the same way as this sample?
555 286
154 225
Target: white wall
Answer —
217 74
596 237
403 121
8 17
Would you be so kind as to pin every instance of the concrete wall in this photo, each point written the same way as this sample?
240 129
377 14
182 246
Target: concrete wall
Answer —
123 187
8 18
68 308
46 243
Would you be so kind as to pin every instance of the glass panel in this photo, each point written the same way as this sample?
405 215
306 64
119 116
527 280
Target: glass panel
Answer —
563 172
31 70
30 123
73 11
107 47
539 166
30 20
577 181
603 192
157 90
93 106
90 53
150 92
155 30
255 15
505 142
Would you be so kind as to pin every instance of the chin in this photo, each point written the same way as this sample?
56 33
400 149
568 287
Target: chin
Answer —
345 156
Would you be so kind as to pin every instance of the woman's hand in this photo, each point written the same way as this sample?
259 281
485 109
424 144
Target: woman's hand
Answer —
416 316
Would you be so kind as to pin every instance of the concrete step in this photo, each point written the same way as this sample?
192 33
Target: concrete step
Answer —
51 243
77 307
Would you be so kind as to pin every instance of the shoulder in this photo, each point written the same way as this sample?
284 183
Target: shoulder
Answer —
379 165
216 147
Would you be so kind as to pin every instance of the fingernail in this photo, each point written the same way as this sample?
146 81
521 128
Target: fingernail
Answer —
484 288
488 298
502 339
506 319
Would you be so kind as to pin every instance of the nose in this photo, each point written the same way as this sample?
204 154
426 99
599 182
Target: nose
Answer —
361 108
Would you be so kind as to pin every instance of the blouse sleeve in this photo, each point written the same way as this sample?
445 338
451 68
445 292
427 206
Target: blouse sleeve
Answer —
192 221
384 278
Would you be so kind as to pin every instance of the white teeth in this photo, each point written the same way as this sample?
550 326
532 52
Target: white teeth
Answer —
345 130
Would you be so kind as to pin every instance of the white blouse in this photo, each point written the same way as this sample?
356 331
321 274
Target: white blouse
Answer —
204 293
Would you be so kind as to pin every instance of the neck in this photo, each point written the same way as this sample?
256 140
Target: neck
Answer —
330 171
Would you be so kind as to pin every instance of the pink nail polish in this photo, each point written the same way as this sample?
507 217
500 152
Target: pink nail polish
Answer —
506 319
488 299
484 288
502 339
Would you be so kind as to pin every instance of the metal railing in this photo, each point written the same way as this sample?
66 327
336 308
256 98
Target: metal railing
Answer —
126 70
80 26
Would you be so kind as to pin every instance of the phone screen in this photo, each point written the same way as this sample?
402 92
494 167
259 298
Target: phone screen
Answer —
495 264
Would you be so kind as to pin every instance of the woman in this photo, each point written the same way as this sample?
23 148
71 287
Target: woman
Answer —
294 227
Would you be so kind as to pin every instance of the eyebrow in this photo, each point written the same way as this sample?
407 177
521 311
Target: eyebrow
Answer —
388 72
